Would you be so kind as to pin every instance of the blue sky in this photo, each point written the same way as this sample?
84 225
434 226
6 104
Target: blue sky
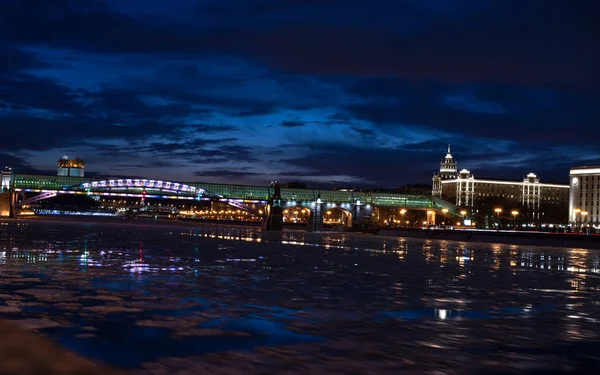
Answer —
362 93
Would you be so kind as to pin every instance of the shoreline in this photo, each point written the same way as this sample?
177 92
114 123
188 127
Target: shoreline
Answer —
467 236
502 237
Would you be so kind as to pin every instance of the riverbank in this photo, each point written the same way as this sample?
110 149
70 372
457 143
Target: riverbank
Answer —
25 352
504 237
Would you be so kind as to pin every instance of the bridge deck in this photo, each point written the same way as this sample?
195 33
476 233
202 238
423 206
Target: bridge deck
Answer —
43 182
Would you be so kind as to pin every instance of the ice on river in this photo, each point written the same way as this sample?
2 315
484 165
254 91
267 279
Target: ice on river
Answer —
147 298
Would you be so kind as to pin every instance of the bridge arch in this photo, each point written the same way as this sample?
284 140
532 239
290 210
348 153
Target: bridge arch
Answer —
332 214
291 213
178 188
321 214
140 183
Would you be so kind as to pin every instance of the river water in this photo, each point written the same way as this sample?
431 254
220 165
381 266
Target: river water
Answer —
162 299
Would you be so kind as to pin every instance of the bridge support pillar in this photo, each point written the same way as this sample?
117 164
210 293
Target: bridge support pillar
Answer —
431 217
6 207
8 204
356 212
274 219
361 211
315 221
14 199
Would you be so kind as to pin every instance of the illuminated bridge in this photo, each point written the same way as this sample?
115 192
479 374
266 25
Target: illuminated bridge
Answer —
29 188
195 190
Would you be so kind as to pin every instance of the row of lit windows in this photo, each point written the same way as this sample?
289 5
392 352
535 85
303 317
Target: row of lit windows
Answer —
589 186
513 196
474 185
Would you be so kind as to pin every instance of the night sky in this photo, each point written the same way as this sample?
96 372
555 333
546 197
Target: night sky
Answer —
347 93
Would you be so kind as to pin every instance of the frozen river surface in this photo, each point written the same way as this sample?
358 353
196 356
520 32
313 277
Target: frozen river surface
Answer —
154 299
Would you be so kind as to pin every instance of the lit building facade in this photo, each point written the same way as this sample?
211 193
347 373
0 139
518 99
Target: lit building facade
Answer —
70 167
535 201
584 195
5 179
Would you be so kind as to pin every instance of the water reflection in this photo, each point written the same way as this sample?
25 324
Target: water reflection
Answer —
245 288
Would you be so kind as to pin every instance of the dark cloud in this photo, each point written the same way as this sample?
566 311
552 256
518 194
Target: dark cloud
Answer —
230 153
227 173
258 111
13 161
361 166
293 123
364 131
14 60
93 26
483 110
26 92
339 119
554 47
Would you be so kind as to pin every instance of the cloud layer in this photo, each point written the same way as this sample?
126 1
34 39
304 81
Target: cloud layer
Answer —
328 92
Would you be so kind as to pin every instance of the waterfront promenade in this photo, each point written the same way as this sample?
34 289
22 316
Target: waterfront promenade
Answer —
530 238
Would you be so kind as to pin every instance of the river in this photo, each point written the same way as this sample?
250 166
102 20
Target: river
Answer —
181 299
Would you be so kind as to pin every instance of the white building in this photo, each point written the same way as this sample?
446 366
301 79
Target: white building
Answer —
535 200
584 195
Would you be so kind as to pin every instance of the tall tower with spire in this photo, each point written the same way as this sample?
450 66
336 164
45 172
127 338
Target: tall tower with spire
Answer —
448 166
447 171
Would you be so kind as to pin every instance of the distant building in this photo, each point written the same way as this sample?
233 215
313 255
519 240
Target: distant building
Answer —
535 201
417 189
70 167
584 195
5 179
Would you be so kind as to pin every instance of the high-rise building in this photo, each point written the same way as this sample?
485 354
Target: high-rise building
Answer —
533 200
584 195
70 167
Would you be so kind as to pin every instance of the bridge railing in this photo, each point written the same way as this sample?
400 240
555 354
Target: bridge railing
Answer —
32 181
441 204
235 191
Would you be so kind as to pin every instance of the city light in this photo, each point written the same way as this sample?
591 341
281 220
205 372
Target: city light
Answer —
149 191
497 211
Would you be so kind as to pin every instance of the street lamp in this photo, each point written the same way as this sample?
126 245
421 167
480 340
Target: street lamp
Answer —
583 219
497 211
576 212
463 213
402 213
444 211
515 213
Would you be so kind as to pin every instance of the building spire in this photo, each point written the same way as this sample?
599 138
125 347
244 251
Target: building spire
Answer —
448 148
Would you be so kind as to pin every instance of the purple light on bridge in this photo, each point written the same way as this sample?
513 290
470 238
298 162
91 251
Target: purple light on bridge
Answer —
174 187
